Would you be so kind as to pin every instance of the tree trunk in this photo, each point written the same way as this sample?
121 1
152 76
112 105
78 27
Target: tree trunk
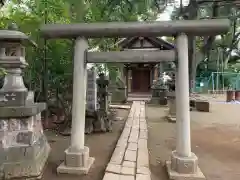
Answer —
192 62
192 46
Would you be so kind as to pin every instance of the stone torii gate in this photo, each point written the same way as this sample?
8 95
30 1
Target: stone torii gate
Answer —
183 162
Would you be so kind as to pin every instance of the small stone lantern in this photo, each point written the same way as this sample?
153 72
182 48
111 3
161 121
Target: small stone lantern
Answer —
24 147
159 92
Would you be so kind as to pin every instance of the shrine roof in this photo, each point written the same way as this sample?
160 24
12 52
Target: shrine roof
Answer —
144 43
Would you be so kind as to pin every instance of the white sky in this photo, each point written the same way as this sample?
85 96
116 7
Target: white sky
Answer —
165 16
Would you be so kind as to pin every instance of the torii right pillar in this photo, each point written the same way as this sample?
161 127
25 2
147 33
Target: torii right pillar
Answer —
184 163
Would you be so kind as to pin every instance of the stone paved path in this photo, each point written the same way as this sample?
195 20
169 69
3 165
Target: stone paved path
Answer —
130 159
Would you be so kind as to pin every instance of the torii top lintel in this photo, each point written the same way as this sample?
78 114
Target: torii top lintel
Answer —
127 29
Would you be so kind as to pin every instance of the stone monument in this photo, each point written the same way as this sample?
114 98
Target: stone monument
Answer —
103 123
91 90
24 147
91 104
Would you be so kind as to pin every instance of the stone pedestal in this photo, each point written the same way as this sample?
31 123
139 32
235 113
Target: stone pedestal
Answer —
159 96
184 168
76 162
172 107
24 148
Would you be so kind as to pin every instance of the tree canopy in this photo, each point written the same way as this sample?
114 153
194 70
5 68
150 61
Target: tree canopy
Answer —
56 55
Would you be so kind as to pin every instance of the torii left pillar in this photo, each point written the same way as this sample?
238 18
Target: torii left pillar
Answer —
77 160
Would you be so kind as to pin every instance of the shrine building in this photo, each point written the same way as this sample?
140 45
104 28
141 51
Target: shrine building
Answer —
140 76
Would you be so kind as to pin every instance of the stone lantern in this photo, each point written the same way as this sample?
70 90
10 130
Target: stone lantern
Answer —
24 147
159 92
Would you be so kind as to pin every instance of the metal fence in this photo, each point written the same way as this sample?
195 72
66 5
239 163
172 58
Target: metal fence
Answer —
218 82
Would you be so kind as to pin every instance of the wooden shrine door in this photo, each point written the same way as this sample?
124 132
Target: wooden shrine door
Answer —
141 80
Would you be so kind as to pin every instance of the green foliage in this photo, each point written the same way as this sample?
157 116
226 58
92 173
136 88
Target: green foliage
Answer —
2 72
30 14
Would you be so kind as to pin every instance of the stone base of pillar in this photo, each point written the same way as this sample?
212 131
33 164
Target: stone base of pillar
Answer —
184 168
77 163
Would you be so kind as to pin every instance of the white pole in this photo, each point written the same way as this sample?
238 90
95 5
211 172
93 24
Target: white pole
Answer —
183 111
217 85
79 95
178 108
222 68
213 83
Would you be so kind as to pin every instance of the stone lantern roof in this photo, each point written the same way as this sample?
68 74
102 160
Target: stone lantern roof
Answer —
13 35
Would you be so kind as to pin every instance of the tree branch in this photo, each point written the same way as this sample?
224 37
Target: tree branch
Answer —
2 3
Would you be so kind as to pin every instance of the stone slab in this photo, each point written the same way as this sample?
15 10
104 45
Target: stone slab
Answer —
143 159
129 164
63 169
130 155
173 175
143 125
132 146
142 144
122 144
117 155
111 176
143 134
126 177
133 139
143 170
22 111
143 177
128 171
114 168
